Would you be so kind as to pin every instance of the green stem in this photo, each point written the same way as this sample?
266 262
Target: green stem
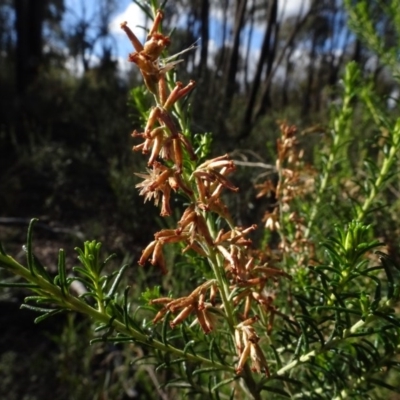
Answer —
217 267
306 357
339 131
383 173
324 183
99 297
72 303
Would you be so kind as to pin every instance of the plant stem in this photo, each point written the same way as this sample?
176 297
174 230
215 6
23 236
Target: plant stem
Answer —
306 357
217 267
390 158
73 303
216 262
339 132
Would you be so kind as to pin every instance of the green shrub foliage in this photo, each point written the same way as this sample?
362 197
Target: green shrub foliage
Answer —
306 308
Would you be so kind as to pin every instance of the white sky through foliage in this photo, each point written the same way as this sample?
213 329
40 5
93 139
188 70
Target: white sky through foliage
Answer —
136 18
130 12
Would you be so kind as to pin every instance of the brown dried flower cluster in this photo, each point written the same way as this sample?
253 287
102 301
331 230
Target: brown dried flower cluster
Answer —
246 340
194 303
296 180
228 251
147 56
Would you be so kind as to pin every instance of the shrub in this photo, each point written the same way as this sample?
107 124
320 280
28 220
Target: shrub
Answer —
311 313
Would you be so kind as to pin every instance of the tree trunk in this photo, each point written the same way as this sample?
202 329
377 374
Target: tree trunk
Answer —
215 85
205 9
232 65
307 97
260 110
264 57
247 60
29 23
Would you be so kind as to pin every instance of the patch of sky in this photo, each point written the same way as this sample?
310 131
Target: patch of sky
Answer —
126 10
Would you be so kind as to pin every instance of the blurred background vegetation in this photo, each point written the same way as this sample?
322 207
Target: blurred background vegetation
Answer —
65 148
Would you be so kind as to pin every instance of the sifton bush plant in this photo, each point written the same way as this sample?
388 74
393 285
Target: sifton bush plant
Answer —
312 313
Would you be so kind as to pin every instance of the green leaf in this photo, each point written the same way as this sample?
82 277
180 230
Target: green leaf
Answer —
178 384
213 349
275 390
223 383
189 345
206 370
36 298
19 285
277 357
309 321
101 327
84 272
105 262
88 285
385 260
322 268
2 250
388 317
47 315
62 272
145 8
385 385
298 349
126 307
29 253
112 339
117 281
165 328
287 379
89 294
37 309
36 265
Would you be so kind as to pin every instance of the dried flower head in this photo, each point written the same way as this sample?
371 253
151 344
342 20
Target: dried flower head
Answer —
156 183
